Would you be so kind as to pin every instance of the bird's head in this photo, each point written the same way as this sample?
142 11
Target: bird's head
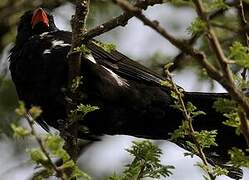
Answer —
34 22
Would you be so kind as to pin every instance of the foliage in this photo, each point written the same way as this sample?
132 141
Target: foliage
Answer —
200 140
77 81
239 54
146 163
50 147
197 26
108 47
230 110
217 4
83 49
81 111
19 131
215 171
238 157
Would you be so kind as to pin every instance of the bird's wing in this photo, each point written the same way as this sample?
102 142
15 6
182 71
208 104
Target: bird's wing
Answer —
114 60
123 65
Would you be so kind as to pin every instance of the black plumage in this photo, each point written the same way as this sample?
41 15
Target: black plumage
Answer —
129 95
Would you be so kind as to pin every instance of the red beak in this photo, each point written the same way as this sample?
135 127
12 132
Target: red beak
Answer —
39 15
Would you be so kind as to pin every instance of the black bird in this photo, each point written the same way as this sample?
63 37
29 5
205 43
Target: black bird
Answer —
130 97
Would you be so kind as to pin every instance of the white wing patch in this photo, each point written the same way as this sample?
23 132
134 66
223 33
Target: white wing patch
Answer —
44 34
90 58
55 43
119 80
46 51
59 43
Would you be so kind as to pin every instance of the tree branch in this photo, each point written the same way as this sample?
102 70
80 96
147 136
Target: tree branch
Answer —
78 22
188 118
120 20
43 149
182 45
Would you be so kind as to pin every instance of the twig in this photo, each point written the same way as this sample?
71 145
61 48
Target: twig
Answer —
120 20
189 120
38 139
78 22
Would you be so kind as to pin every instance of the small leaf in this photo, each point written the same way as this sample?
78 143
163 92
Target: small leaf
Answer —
218 4
239 54
19 131
197 26
166 83
21 110
206 138
39 157
83 49
35 112
238 157
146 162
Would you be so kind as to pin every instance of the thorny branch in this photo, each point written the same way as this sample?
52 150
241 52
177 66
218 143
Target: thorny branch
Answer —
188 119
39 141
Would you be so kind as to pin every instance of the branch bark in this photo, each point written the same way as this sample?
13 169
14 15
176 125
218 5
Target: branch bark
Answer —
78 22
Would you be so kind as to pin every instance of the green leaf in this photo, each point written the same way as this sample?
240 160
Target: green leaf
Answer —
146 162
80 112
206 138
35 112
39 157
218 171
115 177
166 83
225 105
77 173
193 110
85 109
44 174
218 4
106 46
197 26
230 110
233 121
83 49
19 131
55 144
77 81
181 132
21 110
239 54
238 157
